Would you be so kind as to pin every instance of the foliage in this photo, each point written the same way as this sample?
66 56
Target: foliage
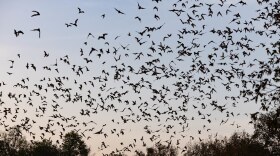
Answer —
267 130
239 144
139 153
74 145
14 143
44 148
244 144
264 142
117 154
211 147
161 150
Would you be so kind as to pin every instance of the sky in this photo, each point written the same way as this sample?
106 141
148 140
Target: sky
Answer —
63 44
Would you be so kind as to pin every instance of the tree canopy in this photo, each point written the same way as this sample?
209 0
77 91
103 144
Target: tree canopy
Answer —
15 144
74 145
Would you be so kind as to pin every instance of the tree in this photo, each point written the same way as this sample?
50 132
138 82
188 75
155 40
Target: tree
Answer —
116 154
239 144
14 143
5 149
243 144
151 151
139 153
267 130
210 147
162 150
73 145
44 148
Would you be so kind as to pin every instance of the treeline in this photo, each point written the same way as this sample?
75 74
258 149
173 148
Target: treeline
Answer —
14 143
265 141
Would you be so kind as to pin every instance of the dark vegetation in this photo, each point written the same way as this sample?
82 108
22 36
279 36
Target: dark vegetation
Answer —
13 143
265 141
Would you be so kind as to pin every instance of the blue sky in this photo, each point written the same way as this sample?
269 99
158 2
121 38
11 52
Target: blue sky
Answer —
58 41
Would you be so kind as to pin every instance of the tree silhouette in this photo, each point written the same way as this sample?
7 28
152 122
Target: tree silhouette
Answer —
14 143
162 150
5 149
44 148
210 147
74 145
139 153
239 144
264 142
243 144
151 151
267 130
117 154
